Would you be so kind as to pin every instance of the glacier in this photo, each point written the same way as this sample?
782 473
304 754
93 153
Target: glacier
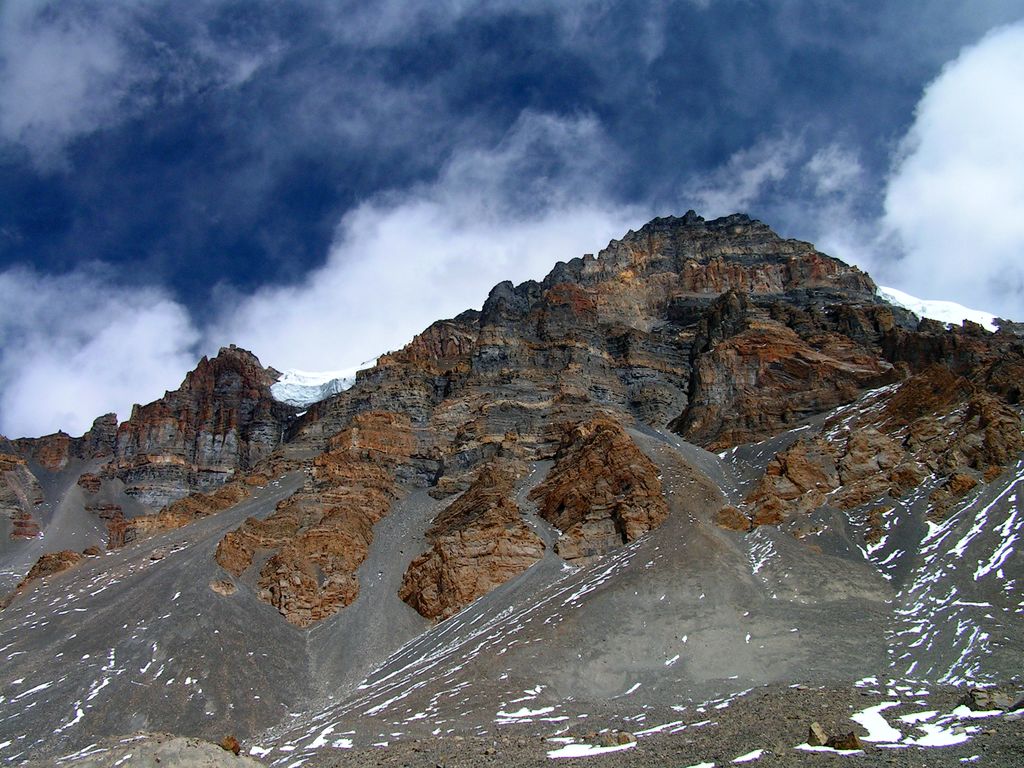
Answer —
303 388
943 311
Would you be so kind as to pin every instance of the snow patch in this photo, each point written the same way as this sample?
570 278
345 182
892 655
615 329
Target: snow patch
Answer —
586 750
943 311
877 726
303 388
749 757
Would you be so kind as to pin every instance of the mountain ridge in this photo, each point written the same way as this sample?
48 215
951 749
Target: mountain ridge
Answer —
740 410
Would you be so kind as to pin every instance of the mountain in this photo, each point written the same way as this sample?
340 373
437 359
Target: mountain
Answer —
678 477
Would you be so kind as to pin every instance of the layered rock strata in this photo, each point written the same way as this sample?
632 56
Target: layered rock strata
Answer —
20 494
315 540
935 424
54 452
477 543
602 491
222 420
177 514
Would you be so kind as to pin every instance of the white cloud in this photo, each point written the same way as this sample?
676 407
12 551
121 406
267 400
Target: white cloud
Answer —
955 201
835 170
75 347
404 260
747 176
61 74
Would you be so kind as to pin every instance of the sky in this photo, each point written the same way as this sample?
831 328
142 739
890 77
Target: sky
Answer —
318 181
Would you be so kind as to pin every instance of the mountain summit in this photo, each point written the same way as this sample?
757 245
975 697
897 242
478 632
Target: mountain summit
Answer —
706 460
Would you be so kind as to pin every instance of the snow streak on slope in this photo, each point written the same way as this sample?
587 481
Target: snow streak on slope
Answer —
943 311
954 616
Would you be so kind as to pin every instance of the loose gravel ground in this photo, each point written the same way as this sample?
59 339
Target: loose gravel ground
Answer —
771 719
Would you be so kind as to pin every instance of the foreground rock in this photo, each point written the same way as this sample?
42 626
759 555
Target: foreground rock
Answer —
156 750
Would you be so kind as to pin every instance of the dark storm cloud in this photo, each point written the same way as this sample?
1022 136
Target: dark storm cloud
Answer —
255 164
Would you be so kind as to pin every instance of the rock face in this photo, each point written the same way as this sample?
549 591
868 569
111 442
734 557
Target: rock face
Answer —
318 537
934 424
636 330
602 492
221 420
19 495
719 330
177 514
754 373
476 544
53 452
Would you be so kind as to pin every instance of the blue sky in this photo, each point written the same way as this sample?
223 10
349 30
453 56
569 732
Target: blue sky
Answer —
317 181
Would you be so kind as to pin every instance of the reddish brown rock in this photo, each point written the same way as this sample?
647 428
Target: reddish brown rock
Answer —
844 742
876 523
797 480
230 744
47 565
116 522
223 587
601 493
935 422
319 536
89 482
731 519
874 464
24 526
767 378
20 494
943 497
53 452
221 420
178 514
476 544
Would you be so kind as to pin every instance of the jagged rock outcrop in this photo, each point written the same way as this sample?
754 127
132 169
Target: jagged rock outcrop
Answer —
477 543
177 514
221 420
46 565
935 423
720 330
601 493
20 493
754 374
53 452
623 331
319 536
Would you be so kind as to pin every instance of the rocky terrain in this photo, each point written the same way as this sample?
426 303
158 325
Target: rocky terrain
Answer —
621 509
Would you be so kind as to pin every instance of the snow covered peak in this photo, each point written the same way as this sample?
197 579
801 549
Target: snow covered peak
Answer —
943 311
303 388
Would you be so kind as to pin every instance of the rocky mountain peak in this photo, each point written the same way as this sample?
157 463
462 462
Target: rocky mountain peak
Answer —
222 419
684 465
